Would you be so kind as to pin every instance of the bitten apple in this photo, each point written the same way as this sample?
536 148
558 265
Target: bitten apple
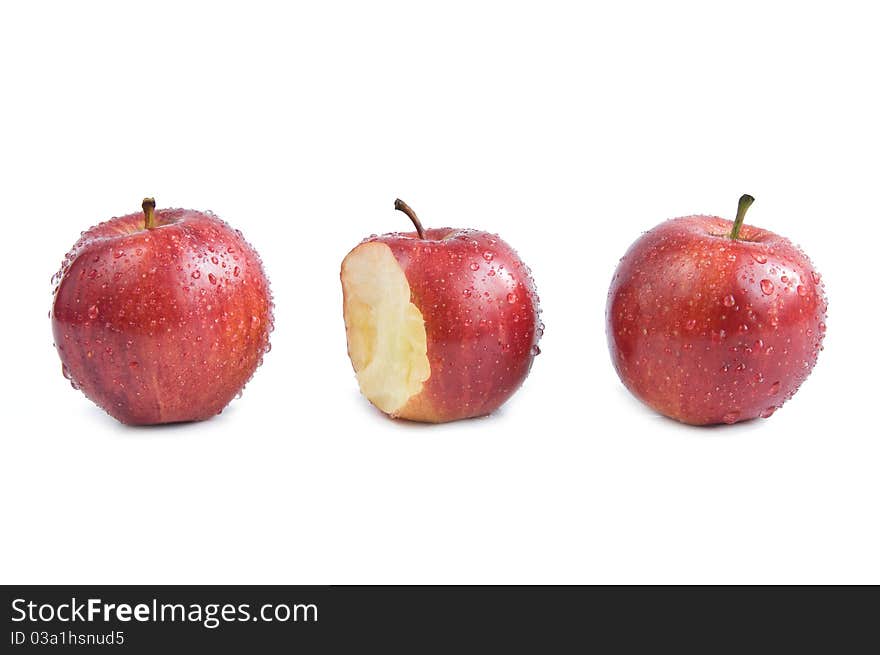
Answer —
163 316
712 321
442 324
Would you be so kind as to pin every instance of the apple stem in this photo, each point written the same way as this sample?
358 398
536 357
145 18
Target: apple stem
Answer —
745 201
400 205
149 207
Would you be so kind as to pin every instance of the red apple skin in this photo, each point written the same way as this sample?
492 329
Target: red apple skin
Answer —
482 319
161 325
706 329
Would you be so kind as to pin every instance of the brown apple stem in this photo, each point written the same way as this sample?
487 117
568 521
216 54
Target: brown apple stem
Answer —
149 207
400 205
745 201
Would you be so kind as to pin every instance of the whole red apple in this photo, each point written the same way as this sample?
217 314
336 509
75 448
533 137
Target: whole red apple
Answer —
163 316
712 321
441 324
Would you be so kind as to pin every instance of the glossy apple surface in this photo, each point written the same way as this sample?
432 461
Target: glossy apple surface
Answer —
161 324
442 324
709 329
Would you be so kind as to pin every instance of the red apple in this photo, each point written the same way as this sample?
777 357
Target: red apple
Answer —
442 324
163 316
712 321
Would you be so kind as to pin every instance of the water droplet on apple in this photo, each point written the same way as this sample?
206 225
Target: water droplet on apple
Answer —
93 312
196 275
718 336
488 256
801 290
767 287
212 278
758 257
475 266
236 271
511 298
536 350
731 417
728 300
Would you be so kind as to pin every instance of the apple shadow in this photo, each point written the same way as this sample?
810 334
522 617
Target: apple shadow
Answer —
716 430
416 426
124 430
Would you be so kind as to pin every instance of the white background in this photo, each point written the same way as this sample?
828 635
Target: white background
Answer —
567 130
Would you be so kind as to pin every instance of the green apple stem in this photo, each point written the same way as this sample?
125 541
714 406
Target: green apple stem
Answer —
400 205
745 202
149 207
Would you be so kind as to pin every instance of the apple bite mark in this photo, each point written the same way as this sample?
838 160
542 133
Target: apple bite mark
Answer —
386 335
